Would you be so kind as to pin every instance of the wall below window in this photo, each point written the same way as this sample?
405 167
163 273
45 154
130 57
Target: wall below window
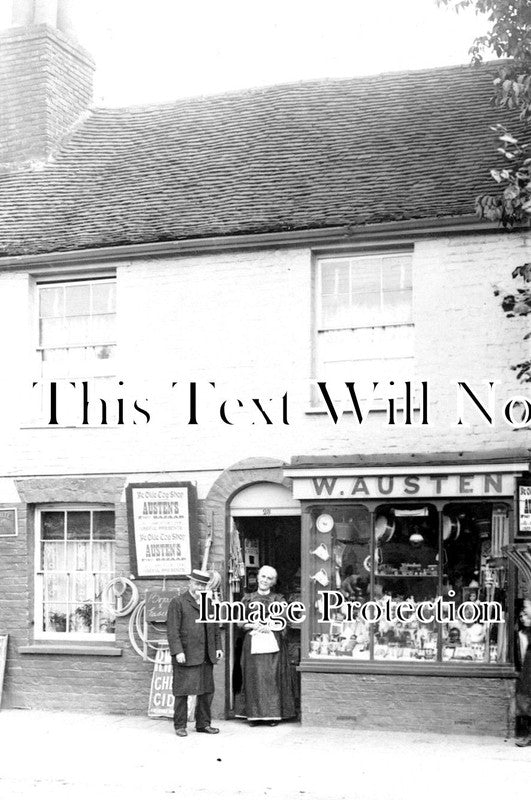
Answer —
472 705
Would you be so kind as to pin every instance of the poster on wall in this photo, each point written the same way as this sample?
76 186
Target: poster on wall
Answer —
8 522
162 521
524 509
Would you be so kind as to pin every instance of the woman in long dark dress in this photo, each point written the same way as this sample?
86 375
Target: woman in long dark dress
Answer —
523 684
267 691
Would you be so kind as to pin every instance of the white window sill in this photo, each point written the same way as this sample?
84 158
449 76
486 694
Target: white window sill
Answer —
378 406
69 649
32 426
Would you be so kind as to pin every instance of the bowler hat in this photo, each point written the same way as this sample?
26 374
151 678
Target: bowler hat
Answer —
200 576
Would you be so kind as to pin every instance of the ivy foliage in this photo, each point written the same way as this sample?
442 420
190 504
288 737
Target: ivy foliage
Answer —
509 38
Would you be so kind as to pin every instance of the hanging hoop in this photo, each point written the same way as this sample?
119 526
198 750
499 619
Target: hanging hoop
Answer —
112 594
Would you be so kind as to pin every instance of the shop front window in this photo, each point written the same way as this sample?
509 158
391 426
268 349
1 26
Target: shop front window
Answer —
74 562
409 582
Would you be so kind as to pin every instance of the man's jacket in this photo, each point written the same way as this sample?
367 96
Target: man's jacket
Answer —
186 635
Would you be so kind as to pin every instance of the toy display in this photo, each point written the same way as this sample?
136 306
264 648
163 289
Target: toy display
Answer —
415 554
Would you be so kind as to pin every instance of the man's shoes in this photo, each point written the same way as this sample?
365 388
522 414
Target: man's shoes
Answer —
181 732
525 741
208 729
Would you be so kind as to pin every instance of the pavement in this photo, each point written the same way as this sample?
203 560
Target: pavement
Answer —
60 755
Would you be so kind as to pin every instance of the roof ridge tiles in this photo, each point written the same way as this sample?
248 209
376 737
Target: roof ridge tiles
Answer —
325 83
294 156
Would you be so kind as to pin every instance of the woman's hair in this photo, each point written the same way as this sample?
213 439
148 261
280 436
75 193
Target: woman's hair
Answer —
266 566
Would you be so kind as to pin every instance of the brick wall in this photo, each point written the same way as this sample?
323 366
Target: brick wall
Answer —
45 85
408 703
109 684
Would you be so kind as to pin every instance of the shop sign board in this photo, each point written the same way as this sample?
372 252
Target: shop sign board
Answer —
162 521
524 508
157 602
8 522
410 486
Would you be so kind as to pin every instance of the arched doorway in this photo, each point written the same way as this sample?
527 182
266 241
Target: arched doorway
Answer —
265 528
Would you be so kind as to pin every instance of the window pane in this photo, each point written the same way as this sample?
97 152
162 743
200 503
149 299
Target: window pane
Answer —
103 525
366 275
473 534
52 332
335 277
54 587
396 274
53 556
77 300
368 354
365 291
80 618
53 524
406 568
339 562
77 556
77 330
103 297
102 328
103 557
81 587
104 622
78 524
54 618
51 301
397 308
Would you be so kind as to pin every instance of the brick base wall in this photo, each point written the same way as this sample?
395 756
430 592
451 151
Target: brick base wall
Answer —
408 703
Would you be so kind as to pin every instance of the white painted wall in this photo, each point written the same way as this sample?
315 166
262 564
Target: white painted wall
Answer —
244 320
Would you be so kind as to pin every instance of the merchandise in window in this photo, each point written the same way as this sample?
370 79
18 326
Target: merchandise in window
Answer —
400 573
75 561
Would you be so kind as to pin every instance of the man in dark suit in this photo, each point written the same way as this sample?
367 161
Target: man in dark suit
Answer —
195 647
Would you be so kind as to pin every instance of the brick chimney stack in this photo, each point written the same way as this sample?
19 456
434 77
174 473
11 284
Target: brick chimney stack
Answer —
46 80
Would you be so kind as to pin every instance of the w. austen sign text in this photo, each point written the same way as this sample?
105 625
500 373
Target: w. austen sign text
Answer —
488 484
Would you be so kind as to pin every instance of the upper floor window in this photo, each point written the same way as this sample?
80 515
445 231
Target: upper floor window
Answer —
364 314
77 329
75 342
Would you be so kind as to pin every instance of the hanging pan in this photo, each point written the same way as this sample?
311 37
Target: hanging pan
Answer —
384 529
451 529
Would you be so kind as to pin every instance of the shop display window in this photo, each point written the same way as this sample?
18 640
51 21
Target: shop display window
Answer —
415 582
75 555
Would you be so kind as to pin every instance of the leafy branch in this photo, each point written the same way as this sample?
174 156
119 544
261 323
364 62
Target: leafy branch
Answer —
509 38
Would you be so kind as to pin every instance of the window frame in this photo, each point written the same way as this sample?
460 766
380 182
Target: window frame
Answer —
318 330
47 283
36 413
373 664
38 576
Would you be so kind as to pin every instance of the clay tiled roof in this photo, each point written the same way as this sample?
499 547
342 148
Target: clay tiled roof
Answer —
397 146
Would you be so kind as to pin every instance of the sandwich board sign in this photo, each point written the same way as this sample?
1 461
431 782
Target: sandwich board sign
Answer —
161 699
